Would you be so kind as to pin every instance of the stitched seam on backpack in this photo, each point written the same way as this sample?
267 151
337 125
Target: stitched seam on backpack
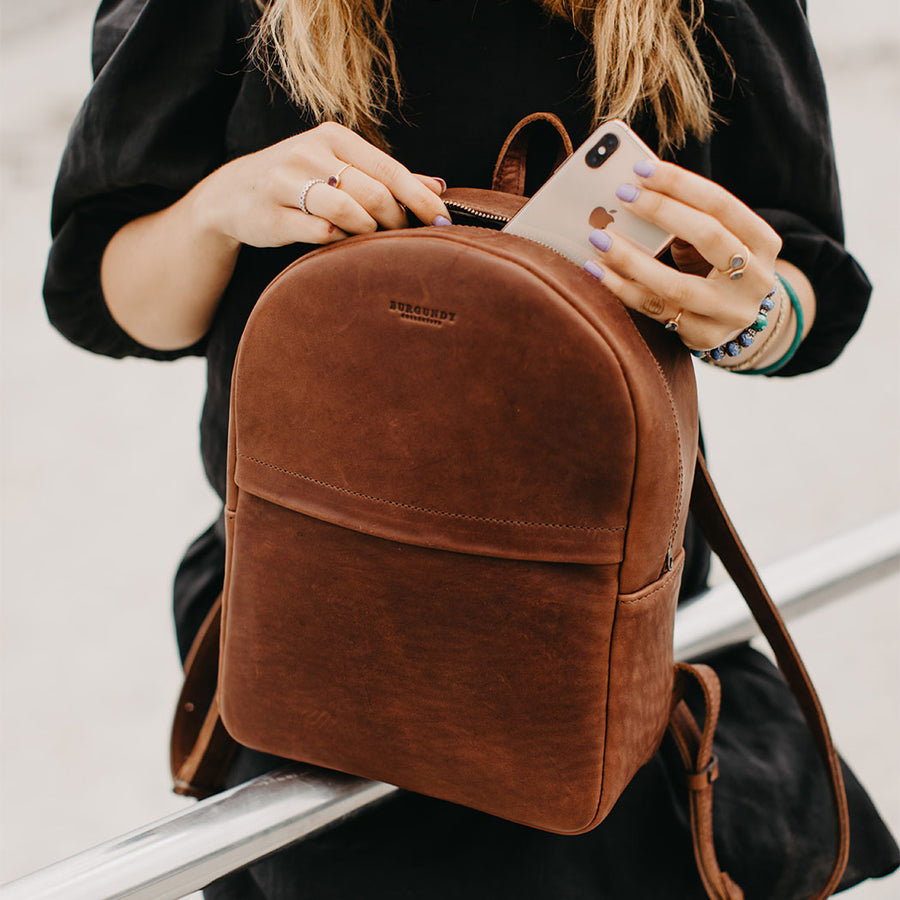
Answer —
671 399
656 590
425 509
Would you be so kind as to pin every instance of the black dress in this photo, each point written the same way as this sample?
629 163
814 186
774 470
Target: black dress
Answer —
175 97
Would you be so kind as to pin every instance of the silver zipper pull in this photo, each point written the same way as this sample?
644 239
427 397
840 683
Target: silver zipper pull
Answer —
670 561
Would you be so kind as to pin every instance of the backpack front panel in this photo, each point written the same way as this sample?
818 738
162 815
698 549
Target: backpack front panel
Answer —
469 678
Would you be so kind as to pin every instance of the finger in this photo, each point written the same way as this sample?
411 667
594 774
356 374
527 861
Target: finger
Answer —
677 289
707 234
632 294
302 228
711 198
338 206
433 183
292 183
697 332
374 198
405 187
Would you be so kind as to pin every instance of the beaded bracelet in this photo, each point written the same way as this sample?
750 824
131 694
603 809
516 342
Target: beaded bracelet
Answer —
734 347
773 336
798 336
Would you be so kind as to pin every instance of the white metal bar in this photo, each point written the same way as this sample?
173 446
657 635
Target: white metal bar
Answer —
185 851
810 579
182 853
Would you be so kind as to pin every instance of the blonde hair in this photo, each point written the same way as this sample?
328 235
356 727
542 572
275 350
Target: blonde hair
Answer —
336 59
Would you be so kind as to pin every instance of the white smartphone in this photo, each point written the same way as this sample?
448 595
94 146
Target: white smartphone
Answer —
581 196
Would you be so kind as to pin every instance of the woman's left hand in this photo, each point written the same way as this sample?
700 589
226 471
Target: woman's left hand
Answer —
711 227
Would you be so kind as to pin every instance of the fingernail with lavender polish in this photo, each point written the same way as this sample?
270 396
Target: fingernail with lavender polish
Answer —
442 182
600 239
627 192
593 269
644 168
441 220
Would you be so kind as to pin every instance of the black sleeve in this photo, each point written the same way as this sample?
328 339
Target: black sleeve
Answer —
774 151
152 126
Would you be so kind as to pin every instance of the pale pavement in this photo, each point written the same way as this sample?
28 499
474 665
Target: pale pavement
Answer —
102 487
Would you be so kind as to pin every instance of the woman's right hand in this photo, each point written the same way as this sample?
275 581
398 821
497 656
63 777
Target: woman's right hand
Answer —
254 199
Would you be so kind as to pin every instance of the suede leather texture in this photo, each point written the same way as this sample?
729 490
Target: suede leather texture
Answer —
458 477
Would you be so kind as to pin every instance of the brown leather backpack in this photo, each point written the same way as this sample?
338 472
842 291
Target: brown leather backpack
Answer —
458 478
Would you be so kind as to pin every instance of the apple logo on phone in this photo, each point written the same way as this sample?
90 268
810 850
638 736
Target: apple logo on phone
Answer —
600 218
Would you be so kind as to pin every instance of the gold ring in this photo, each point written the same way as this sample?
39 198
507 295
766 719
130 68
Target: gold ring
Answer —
737 264
335 180
673 323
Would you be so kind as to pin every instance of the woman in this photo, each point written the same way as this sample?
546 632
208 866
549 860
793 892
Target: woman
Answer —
200 162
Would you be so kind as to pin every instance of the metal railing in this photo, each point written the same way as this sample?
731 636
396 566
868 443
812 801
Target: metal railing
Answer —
185 851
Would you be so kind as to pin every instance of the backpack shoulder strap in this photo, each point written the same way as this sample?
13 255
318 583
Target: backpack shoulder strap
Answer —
201 750
701 769
720 532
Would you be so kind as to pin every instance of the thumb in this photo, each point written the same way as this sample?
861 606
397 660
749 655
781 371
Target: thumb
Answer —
433 183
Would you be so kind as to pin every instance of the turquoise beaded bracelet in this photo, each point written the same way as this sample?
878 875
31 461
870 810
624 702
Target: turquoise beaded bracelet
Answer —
795 343
734 347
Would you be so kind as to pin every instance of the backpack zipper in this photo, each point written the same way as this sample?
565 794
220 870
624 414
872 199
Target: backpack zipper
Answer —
478 213
496 217
670 561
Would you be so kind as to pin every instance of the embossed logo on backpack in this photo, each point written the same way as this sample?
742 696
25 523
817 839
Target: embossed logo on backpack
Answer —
427 315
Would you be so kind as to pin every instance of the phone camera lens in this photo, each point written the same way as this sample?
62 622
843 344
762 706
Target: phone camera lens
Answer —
601 151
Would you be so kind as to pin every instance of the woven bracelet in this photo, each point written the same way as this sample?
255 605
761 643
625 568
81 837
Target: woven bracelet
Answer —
795 343
734 347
